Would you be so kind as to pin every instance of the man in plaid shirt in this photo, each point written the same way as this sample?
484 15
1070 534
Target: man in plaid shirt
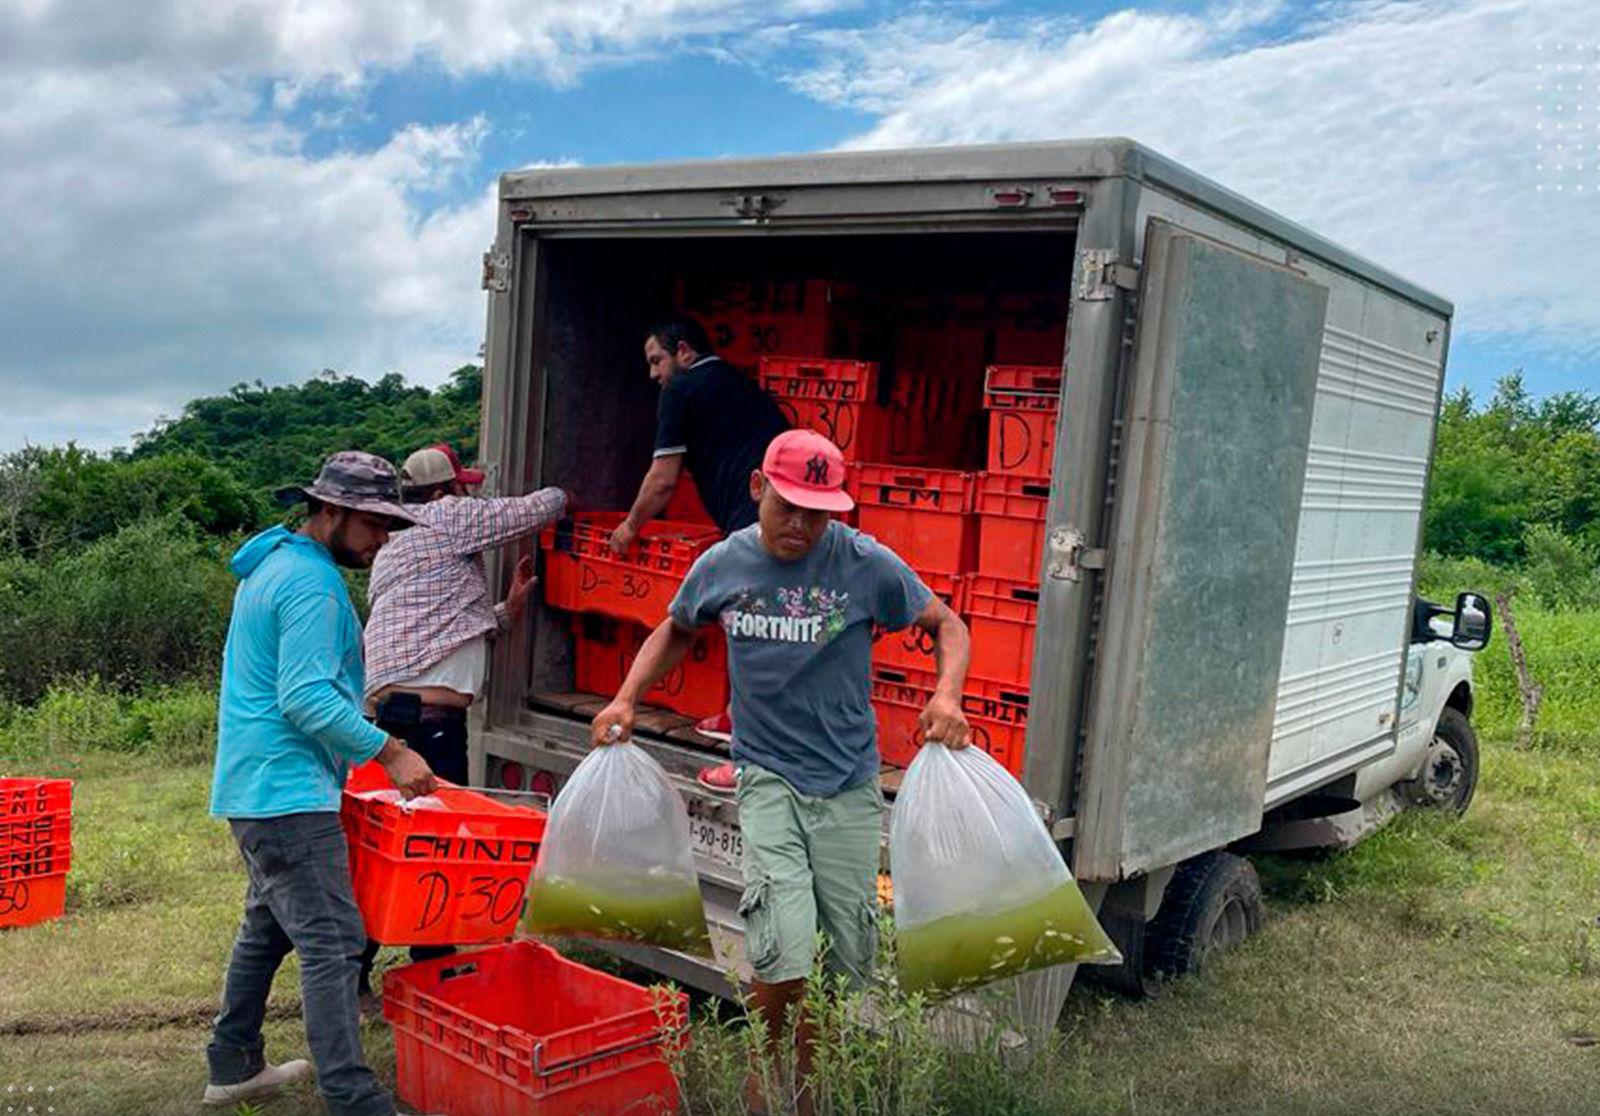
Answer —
433 614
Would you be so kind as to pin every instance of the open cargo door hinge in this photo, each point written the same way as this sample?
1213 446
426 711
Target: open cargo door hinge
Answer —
1102 274
1070 555
496 271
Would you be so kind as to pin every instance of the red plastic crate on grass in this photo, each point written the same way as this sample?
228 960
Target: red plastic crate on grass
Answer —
1023 401
21 795
923 515
581 573
35 849
912 647
997 713
1011 513
455 876
518 1030
1002 615
27 900
605 650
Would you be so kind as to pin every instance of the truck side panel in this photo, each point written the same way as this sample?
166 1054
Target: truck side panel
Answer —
1378 383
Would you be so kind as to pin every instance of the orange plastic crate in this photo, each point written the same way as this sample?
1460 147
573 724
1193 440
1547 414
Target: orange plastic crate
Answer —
605 650
1023 401
685 505
35 849
518 1030
912 647
19 795
836 398
997 713
838 381
38 844
923 515
27 900
862 431
438 877
583 575
1011 511
1002 615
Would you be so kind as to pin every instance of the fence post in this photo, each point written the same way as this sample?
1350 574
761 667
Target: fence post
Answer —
1532 692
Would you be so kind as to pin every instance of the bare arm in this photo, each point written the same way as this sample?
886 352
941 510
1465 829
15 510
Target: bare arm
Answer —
663 649
943 719
654 492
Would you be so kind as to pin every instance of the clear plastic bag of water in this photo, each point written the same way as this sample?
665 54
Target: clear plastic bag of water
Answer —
980 889
616 861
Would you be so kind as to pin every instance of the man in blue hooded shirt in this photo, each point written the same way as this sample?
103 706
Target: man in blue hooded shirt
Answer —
289 728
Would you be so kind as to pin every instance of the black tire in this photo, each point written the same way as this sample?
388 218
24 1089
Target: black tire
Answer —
1449 775
1212 904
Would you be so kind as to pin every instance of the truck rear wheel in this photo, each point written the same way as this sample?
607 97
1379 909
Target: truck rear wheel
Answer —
1449 775
1213 903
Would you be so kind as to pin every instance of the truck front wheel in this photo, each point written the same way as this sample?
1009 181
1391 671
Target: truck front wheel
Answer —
1449 774
1213 903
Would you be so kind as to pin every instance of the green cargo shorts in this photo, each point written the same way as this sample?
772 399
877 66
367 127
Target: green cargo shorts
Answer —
810 864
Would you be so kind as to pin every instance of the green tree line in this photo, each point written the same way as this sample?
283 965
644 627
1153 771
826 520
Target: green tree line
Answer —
113 565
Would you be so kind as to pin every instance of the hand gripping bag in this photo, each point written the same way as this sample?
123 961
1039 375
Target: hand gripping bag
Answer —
980 891
616 861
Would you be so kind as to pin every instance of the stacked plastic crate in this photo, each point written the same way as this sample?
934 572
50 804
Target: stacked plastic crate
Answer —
616 600
1002 595
35 849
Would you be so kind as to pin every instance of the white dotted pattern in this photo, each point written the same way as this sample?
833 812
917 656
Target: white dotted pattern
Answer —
1566 123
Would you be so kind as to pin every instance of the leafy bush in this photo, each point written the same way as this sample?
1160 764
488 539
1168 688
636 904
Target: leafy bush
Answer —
177 723
146 605
1561 572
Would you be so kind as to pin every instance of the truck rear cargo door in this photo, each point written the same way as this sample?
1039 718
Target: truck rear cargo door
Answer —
1201 550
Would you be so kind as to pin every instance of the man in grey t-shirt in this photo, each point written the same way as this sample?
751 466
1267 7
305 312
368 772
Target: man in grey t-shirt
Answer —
798 596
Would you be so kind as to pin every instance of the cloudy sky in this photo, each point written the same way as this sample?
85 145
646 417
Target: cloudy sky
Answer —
199 192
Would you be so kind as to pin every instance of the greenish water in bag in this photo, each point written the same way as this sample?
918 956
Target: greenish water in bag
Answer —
961 951
639 909
981 891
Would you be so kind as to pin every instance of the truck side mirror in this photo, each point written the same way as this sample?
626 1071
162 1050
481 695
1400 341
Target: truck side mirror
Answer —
1474 621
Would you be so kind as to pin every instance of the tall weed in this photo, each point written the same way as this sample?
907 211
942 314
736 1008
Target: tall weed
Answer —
177 723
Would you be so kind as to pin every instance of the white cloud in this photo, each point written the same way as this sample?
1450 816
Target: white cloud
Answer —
1405 130
166 232
339 41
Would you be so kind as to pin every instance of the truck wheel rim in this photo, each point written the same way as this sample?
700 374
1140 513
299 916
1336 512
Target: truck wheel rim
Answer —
1443 772
1232 926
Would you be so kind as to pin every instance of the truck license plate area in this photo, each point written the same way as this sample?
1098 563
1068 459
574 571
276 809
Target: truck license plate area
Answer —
717 841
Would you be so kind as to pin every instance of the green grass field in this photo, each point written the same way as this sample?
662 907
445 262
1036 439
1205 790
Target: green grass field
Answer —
1442 966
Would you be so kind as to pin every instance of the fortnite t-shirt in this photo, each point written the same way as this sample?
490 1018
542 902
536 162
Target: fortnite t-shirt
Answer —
800 648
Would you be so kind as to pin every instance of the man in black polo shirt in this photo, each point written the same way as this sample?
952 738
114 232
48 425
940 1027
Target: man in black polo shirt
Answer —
717 423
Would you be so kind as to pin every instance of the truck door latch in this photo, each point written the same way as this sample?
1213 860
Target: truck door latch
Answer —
1070 555
756 207
1102 274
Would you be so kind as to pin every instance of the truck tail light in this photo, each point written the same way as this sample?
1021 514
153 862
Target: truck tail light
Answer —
511 776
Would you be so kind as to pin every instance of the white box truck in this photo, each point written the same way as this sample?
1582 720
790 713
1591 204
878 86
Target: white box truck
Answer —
1228 649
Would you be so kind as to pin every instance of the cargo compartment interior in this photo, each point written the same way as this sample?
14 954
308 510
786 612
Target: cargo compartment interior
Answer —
932 312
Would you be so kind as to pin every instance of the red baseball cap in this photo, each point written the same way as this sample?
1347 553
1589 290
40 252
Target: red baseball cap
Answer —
808 471
465 476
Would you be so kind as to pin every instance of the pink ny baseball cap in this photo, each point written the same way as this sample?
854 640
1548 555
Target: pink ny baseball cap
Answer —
808 471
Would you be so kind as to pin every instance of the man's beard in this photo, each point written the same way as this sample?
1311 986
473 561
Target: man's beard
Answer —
343 553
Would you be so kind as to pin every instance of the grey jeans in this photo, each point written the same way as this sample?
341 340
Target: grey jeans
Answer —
300 898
